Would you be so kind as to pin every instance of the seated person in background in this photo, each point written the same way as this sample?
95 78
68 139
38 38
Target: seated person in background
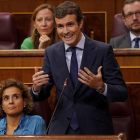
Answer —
15 103
131 18
43 33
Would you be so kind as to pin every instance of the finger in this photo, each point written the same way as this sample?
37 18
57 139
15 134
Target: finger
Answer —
40 81
38 74
36 69
99 70
83 74
88 71
83 81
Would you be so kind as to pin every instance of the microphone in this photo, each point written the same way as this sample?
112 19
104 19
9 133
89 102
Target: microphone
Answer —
65 84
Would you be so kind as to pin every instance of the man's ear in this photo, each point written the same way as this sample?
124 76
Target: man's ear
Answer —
81 23
124 20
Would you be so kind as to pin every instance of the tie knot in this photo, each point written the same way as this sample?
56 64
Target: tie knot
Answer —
137 39
73 49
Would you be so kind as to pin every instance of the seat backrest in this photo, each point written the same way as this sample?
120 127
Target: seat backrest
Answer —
119 27
123 118
42 109
8 32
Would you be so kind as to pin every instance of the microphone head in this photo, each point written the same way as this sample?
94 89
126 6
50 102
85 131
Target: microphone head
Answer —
66 82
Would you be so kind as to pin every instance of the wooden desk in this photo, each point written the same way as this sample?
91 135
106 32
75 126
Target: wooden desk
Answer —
129 61
121 136
20 64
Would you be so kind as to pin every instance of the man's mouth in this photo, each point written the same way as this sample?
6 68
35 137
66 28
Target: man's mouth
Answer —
135 23
68 37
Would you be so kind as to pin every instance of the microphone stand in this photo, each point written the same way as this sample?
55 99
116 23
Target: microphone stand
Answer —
65 84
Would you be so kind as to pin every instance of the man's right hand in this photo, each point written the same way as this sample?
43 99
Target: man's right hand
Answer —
39 79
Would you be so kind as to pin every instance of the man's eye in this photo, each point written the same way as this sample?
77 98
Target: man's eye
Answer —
138 13
70 24
129 15
48 19
16 96
59 26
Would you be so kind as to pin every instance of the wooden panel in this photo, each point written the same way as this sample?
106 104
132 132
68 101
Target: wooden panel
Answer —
19 5
96 20
119 4
134 90
21 58
133 73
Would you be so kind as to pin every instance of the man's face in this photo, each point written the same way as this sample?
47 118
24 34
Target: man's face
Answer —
133 22
69 30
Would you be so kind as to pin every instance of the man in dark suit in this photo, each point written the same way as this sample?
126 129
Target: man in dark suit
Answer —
83 108
131 18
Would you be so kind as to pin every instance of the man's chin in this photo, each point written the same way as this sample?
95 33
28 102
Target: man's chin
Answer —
135 30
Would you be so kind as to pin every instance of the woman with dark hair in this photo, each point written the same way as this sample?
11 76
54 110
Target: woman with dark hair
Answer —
15 103
43 33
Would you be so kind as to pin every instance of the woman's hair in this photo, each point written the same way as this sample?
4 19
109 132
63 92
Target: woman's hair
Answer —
34 33
24 91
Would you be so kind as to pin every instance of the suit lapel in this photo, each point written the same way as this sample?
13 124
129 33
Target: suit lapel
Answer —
61 62
88 58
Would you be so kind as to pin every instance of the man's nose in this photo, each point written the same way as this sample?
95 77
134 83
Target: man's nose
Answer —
134 16
65 30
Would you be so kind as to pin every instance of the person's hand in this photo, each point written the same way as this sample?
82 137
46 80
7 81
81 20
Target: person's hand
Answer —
44 41
39 79
91 80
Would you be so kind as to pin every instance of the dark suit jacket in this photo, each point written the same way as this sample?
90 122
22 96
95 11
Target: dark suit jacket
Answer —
91 107
122 41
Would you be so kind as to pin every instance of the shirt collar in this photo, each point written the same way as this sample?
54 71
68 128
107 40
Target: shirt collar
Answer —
133 36
80 45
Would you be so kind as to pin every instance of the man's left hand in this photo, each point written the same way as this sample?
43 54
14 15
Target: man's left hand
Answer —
91 80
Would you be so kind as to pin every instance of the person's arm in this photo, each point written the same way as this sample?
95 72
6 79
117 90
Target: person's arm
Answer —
27 44
110 74
42 81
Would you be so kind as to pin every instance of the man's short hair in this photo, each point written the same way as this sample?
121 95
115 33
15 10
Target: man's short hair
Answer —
127 2
69 8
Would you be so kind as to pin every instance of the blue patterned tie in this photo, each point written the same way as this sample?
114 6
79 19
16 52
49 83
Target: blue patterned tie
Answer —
136 42
74 75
